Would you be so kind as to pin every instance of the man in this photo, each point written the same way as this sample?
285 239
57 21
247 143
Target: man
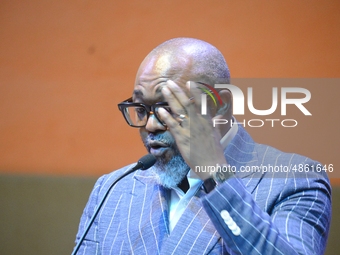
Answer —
184 205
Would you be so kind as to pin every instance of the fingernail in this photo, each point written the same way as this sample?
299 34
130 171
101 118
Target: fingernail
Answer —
173 84
191 85
161 111
170 82
165 91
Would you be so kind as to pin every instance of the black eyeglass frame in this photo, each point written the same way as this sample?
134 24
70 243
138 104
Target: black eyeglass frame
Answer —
150 109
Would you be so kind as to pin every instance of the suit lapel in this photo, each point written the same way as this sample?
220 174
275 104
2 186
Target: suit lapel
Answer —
194 233
148 226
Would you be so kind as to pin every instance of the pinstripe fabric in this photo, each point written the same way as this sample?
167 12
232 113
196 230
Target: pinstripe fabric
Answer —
278 213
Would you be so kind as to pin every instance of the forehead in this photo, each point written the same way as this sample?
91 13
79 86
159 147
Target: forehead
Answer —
153 74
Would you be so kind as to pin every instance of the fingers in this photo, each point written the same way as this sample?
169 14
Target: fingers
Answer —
197 93
185 103
178 98
170 122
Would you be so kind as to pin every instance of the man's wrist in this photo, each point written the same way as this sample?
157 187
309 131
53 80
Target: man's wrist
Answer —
217 177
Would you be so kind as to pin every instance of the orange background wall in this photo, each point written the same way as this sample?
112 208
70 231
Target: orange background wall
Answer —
64 66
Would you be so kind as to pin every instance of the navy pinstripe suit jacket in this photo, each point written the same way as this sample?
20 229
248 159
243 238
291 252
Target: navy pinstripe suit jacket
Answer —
277 212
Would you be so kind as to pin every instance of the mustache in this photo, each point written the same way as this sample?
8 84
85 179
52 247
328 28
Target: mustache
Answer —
163 138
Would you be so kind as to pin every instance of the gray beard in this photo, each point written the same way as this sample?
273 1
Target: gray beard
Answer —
170 174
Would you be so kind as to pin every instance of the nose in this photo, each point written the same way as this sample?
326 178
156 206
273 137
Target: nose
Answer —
153 125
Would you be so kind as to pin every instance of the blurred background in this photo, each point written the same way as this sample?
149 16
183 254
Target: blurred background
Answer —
65 65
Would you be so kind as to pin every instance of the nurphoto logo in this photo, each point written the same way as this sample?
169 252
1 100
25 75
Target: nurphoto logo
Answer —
239 104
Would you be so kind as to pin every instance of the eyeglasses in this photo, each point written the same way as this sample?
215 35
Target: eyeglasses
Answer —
137 114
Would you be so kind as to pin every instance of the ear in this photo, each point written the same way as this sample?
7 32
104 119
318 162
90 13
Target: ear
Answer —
225 110
224 113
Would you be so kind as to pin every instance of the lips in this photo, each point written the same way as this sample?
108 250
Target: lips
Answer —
157 148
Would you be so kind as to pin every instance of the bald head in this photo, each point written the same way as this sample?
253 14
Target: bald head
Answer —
205 61
181 60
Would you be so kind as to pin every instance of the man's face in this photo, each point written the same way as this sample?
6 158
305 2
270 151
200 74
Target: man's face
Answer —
151 76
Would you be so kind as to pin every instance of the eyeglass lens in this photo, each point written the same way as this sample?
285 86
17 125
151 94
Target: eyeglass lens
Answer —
138 115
